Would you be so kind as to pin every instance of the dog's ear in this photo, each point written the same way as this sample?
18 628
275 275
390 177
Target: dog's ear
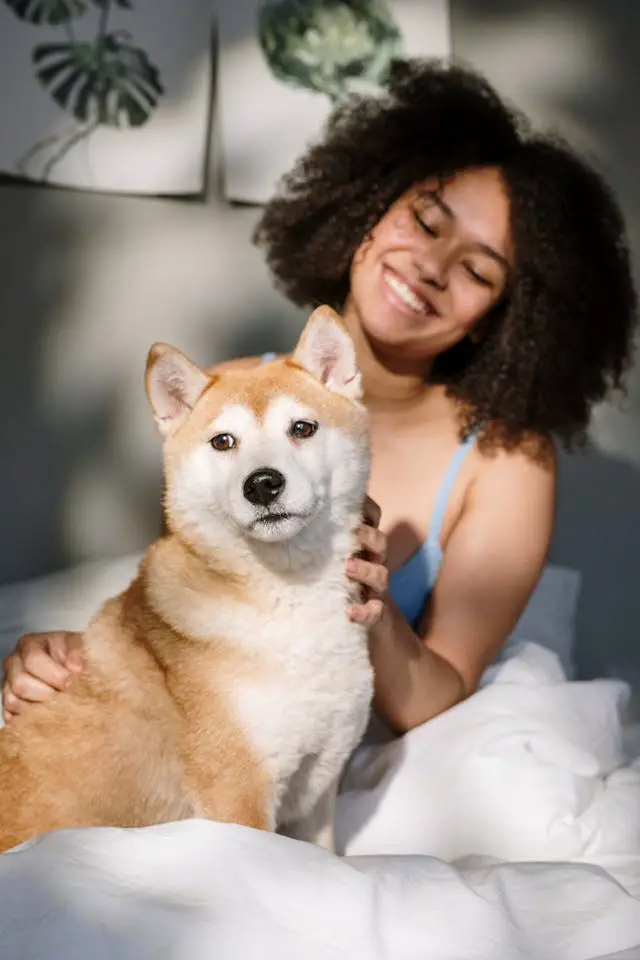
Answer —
326 351
173 385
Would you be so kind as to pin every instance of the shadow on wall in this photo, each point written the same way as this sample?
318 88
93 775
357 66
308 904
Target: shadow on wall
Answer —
36 452
598 533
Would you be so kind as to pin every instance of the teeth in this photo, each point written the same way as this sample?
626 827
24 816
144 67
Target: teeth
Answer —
405 293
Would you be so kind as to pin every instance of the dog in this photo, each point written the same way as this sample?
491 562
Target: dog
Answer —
227 681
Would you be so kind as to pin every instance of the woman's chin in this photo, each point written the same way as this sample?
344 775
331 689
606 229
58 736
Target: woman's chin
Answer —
393 330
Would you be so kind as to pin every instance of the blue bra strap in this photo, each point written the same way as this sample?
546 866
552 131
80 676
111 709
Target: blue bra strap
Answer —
266 357
442 499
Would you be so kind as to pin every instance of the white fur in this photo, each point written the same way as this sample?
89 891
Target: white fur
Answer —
321 474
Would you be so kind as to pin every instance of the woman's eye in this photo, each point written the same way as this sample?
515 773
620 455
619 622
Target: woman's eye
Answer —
303 429
432 231
223 441
478 277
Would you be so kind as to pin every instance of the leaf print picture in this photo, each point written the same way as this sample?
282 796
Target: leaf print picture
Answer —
329 46
98 72
105 81
285 64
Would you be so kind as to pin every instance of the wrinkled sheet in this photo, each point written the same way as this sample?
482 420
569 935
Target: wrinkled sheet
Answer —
194 890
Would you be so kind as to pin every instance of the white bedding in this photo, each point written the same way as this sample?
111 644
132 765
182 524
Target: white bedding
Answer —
529 768
532 767
195 890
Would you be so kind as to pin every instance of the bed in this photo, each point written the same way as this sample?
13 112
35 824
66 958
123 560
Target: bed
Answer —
507 827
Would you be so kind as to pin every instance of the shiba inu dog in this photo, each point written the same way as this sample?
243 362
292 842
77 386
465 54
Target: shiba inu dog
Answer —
227 681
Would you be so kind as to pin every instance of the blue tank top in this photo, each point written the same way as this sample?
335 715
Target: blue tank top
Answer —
410 586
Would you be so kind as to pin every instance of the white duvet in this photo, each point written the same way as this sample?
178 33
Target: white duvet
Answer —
531 768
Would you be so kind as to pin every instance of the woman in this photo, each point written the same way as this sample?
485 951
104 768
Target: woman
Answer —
484 275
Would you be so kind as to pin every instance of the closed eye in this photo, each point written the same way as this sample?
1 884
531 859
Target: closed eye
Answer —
428 229
477 277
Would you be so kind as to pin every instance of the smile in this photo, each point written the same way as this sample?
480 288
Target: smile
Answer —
407 296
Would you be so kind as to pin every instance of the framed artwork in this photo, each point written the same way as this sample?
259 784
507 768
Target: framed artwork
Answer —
283 65
106 95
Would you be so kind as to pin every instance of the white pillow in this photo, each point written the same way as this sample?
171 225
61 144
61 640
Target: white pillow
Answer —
61 601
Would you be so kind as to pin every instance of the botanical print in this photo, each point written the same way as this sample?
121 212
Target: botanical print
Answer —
285 63
106 81
88 58
327 46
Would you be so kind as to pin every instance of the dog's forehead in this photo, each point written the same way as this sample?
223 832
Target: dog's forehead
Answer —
280 410
270 393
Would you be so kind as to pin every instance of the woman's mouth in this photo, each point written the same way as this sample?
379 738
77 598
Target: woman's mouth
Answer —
406 294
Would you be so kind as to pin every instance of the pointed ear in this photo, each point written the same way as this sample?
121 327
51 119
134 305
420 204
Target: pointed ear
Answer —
326 351
173 385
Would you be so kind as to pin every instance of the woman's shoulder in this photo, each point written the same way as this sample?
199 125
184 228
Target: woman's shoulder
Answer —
532 454
517 480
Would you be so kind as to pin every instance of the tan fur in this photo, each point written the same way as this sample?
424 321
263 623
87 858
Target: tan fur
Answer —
148 732
145 735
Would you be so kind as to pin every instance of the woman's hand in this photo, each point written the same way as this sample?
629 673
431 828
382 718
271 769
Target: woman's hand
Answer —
41 664
369 568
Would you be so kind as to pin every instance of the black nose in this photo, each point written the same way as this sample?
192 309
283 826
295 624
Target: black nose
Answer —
263 486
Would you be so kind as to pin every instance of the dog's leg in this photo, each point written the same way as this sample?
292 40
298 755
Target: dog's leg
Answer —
233 793
317 827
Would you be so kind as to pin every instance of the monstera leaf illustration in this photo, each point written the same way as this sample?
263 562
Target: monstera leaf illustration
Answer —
52 12
329 46
107 82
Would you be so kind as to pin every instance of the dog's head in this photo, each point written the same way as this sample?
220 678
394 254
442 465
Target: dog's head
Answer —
270 453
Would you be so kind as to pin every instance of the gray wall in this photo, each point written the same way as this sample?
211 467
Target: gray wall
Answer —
88 282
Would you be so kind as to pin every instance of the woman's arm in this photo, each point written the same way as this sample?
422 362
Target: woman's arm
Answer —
492 562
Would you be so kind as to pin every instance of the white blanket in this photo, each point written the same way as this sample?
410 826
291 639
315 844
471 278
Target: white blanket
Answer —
529 768
532 767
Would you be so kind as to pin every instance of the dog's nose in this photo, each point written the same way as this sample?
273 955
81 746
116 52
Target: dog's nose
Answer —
263 486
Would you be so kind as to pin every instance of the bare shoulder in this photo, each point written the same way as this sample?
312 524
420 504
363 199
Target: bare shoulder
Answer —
515 490
533 462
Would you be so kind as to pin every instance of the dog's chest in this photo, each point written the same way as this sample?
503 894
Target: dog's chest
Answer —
314 698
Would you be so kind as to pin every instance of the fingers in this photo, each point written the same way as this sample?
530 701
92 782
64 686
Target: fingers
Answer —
371 512
375 576
20 688
43 657
66 650
375 579
10 703
373 541
369 612
41 664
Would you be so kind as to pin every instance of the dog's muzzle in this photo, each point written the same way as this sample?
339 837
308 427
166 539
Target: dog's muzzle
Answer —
263 486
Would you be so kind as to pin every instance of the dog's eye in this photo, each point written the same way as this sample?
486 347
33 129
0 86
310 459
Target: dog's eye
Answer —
223 441
303 429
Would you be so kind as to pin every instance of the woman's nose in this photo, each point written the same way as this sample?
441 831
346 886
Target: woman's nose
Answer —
432 267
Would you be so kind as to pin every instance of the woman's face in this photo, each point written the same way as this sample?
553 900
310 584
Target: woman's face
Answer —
434 265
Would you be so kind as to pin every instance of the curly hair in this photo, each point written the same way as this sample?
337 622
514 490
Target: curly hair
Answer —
563 335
